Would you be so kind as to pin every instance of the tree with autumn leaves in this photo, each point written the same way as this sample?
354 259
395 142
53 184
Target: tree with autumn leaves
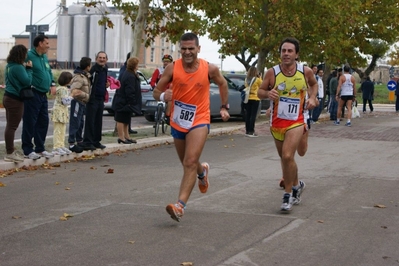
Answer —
357 32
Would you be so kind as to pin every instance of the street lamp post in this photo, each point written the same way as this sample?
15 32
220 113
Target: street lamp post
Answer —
30 34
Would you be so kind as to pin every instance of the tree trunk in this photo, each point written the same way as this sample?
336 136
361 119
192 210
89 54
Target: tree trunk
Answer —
139 27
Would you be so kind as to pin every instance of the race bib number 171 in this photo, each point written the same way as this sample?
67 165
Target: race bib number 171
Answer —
288 108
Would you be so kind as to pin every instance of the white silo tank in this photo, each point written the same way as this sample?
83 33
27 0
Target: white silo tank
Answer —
113 40
76 9
64 40
96 38
80 37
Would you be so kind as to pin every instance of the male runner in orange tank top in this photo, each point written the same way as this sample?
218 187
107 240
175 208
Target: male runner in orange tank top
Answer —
190 116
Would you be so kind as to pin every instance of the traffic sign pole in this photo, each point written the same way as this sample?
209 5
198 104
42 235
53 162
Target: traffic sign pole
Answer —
391 85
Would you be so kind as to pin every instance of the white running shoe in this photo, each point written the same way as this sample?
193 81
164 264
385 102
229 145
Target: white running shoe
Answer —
296 193
67 151
15 157
58 151
287 203
33 155
47 154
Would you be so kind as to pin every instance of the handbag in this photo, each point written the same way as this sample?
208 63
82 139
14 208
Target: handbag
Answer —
245 92
355 111
26 93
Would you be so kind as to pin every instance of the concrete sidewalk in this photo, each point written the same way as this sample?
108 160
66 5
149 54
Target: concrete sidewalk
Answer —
216 129
110 210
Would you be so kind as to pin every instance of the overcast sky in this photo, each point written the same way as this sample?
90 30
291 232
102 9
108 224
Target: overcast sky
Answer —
16 14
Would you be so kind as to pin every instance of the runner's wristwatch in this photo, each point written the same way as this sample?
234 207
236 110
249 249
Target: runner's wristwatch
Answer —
225 106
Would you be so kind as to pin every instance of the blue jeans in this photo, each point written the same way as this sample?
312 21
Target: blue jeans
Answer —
35 123
333 108
76 122
317 111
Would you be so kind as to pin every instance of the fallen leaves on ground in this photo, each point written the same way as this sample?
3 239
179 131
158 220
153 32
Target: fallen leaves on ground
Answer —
65 217
2 185
186 263
85 157
16 217
380 206
110 171
131 241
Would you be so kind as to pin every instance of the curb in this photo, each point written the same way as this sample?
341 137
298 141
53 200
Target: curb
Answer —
110 148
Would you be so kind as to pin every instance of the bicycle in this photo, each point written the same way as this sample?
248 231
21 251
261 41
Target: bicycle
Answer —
160 118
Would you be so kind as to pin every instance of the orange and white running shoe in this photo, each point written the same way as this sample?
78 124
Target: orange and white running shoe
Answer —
175 211
203 183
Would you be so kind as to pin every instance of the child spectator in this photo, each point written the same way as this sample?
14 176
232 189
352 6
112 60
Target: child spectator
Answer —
60 115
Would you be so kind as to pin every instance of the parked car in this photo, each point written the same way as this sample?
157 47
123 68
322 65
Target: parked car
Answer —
239 80
114 72
234 100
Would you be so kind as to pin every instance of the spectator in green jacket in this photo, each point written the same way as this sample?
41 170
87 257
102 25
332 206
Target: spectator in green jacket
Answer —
35 118
18 76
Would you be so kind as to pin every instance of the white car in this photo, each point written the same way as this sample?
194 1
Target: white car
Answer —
114 72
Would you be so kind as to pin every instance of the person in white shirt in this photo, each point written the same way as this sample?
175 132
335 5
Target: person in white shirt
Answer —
346 94
320 96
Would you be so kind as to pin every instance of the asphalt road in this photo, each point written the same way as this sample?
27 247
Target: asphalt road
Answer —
349 213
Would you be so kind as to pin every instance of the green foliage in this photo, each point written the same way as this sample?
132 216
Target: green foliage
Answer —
56 75
334 32
2 71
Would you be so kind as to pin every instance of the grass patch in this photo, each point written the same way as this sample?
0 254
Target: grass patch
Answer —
381 94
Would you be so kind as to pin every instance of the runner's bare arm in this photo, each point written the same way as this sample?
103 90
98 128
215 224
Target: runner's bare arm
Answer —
266 86
218 78
340 82
162 85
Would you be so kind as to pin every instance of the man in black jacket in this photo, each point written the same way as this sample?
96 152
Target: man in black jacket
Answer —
367 89
95 106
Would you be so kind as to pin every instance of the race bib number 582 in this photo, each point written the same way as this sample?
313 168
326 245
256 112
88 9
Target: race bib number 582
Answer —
184 114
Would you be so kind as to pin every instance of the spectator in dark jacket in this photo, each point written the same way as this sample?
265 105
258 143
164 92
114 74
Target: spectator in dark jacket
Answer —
121 71
95 106
397 100
367 89
127 100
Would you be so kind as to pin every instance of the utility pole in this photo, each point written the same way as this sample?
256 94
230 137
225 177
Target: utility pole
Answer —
34 30
30 35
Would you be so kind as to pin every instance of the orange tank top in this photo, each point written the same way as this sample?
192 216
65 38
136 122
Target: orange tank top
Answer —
191 96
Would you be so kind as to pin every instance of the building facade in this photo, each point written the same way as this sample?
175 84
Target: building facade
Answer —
79 35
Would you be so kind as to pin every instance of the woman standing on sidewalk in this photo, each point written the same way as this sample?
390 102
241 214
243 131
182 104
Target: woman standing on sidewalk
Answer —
252 106
17 76
127 100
